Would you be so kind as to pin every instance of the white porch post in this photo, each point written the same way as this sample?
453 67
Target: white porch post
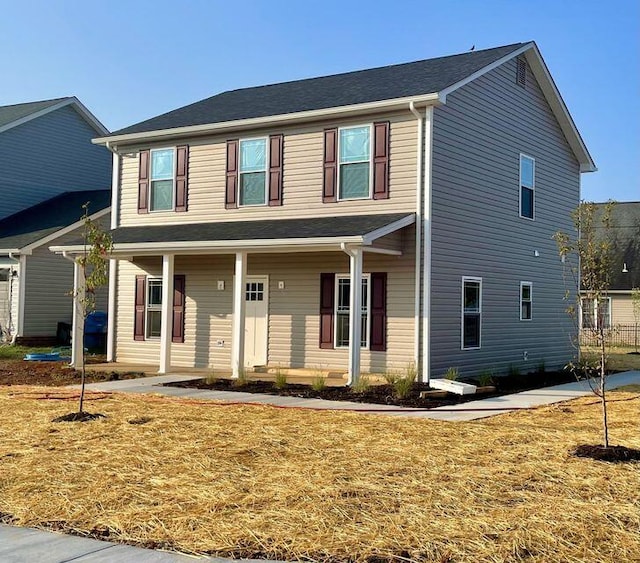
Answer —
77 330
355 313
167 313
111 311
237 344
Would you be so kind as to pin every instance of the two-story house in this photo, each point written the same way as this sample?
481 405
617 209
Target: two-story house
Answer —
50 169
361 221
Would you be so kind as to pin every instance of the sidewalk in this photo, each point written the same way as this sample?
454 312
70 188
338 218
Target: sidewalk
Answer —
472 410
27 545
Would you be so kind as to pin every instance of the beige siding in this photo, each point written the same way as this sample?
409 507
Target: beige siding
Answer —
48 287
302 179
293 311
622 310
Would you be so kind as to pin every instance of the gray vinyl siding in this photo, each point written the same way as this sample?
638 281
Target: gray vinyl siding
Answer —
47 156
477 232
48 287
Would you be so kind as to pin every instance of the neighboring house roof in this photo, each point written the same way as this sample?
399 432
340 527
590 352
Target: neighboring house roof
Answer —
426 81
625 237
31 225
17 114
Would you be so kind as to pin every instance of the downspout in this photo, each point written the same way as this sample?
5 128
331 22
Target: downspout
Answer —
418 227
426 264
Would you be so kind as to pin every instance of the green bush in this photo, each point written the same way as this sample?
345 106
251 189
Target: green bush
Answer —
361 385
319 382
452 374
280 380
485 378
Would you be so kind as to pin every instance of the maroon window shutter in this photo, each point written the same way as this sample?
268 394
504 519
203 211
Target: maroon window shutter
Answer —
381 160
143 182
275 169
232 175
138 315
177 333
182 173
329 180
327 296
378 337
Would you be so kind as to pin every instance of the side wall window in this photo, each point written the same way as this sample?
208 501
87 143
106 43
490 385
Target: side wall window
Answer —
527 186
594 312
471 313
526 301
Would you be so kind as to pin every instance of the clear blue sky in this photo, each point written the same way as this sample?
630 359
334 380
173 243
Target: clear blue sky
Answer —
130 60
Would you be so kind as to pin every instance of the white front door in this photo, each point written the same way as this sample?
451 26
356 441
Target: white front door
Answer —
256 324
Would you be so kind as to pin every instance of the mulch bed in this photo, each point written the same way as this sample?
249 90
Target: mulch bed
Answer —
615 454
20 372
382 394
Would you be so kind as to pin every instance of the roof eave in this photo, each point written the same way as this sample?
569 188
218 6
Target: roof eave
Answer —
288 118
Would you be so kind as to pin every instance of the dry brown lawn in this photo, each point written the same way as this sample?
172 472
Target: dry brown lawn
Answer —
323 486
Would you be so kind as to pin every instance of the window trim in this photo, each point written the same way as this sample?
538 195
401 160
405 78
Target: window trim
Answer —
336 288
528 284
339 164
148 307
462 312
173 179
267 158
532 188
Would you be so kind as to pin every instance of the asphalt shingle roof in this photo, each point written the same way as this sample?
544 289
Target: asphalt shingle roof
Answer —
371 85
48 217
625 234
257 230
9 114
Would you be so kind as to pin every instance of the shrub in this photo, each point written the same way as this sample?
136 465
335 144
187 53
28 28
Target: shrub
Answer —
391 377
452 374
485 378
211 378
403 385
319 382
280 380
361 385
242 379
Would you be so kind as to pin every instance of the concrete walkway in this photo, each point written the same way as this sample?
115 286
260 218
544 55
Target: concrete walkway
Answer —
472 410
27 545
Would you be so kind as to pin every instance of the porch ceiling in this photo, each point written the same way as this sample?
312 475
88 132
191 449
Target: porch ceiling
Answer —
274 235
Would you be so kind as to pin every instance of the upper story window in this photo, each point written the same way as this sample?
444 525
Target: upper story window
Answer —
161 180
253 171
354 163
527 186
471 312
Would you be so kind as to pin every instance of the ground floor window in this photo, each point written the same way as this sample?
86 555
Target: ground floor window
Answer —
526 301
154 307
342 309
471 312
595 313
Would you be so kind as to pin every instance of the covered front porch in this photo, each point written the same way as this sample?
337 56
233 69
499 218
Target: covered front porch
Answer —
189 303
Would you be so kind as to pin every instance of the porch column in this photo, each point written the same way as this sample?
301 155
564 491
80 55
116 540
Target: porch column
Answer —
355 313
237 344
111 312
77 326
167 313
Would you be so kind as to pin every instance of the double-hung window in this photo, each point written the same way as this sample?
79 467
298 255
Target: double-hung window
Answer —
354 150
253 171
471 312
162 179
526 301
527 186
595 314
342 304
154 307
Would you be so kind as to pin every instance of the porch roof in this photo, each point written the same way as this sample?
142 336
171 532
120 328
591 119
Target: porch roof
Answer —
319 233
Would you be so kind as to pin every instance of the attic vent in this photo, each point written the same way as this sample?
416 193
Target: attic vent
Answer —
521 72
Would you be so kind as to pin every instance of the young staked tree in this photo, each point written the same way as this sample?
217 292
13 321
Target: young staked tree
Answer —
588 259
635 300
94 265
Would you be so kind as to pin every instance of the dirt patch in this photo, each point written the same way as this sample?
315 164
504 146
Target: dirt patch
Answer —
20 372
382 394
615 454
78 417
